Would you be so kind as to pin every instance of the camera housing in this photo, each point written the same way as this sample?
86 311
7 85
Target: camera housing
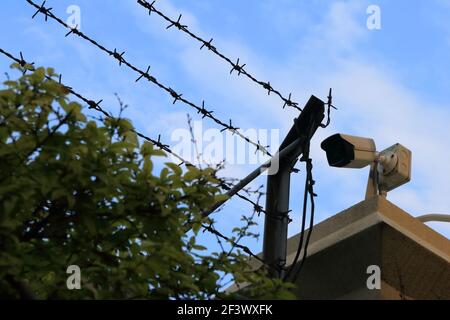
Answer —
394 167
345 151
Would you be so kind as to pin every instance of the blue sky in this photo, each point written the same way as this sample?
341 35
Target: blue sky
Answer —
391 84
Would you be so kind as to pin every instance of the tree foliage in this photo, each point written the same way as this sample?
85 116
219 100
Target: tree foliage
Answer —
79 191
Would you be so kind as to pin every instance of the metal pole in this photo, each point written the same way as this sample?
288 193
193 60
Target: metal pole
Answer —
278 186
277 220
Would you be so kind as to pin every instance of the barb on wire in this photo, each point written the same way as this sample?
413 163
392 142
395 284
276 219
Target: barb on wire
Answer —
43 10
144 74
24 64
73 30
203 111
288 102
120 57
257 148
209 45
268 87
239 68
177 24
175 95
329 106
235 66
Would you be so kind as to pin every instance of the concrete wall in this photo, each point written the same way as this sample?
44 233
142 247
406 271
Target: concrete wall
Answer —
414 260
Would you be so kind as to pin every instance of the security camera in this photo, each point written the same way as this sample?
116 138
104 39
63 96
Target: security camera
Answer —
345 151
389 168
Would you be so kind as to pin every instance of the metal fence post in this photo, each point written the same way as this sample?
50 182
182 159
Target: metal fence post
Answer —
278 188
276 220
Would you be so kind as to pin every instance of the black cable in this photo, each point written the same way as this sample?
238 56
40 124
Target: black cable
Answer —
309 189
302 232
311 220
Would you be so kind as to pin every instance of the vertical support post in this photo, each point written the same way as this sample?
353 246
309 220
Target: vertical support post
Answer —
277 220
278 187
372 182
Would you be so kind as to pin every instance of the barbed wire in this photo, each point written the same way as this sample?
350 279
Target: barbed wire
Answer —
29 66
223 183
243 232
96 106
235 66
203 111
256 207
119 56
177 97
232 242
249 222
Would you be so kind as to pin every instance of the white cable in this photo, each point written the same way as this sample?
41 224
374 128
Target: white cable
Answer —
434 217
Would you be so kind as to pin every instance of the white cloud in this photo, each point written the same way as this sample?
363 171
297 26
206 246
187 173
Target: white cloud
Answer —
341 29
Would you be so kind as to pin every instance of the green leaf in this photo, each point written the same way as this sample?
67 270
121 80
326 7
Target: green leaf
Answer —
39 74
199 247
175 168
146 149
131 137
220 197
49 278
196 228
89 222
148 166
50 72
